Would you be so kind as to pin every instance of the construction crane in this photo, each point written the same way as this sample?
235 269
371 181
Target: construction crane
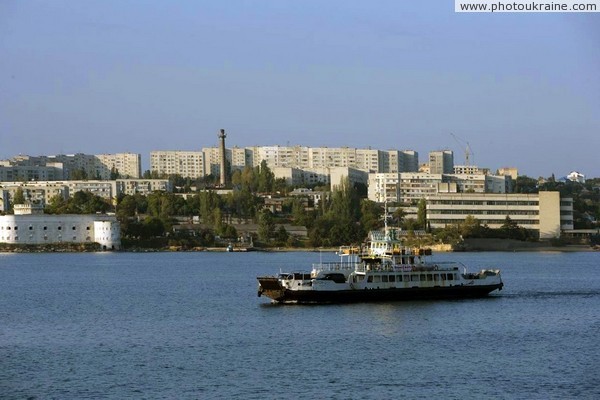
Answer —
468 151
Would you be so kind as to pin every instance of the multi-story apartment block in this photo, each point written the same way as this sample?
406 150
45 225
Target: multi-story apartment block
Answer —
24 173
241 157
467 170
65 166
312 159
545 212
441 162
188 164
384 187
42 192
320 176
128 165
410 187
142 186
410 162
212 160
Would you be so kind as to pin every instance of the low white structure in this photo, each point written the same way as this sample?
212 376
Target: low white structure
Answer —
30 226
576 177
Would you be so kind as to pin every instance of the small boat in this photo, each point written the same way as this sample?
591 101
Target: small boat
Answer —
380 270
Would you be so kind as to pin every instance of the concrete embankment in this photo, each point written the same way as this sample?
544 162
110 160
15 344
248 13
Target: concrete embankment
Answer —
515 245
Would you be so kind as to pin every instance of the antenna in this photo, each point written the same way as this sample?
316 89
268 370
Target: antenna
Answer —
468 150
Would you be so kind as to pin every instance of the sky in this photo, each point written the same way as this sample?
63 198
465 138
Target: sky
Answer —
114 76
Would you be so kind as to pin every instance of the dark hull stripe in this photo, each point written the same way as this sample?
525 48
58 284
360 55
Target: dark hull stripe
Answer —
372 295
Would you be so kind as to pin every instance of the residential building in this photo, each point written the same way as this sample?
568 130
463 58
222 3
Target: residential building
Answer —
188 164
67 166
410 187
127 165
441 162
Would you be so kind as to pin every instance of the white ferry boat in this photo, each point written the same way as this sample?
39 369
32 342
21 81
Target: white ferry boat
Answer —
382 270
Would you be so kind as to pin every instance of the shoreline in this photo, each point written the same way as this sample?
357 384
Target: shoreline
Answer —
511 249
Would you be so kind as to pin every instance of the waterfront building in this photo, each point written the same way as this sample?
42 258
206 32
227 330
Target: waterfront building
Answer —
544 212
29 226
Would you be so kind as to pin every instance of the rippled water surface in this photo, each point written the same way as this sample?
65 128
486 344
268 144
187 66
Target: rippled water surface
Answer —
189 325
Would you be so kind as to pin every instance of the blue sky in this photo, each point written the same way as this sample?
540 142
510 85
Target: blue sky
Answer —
136 76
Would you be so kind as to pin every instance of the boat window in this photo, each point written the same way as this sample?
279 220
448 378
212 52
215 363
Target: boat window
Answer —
450 277
398 278
392 278
436 277
429 277
443 277
361 278
377 278
370 278
406 278
414 278
384 278
423 277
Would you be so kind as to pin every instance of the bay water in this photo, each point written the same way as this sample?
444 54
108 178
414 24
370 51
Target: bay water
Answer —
190 326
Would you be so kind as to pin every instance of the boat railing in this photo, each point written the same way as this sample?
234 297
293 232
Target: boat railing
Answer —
335 266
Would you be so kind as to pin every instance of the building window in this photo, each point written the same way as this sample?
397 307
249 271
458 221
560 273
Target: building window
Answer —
45 228
74 228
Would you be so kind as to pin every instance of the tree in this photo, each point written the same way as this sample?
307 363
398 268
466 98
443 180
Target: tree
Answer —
370 215
266 225
471 227
114 174
19 197
281 235
422 214
398 216
79 174
266 178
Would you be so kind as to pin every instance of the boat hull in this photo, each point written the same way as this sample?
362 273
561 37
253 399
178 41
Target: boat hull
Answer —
282 295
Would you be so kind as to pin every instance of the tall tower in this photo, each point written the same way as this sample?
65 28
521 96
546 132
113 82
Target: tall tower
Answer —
222 136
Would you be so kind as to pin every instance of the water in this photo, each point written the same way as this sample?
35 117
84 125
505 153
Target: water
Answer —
189 325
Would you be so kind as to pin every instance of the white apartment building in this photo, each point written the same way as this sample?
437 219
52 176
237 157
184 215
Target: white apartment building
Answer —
188 164
545 212
410 187
468 170
64 166
22 173
42 192
128 165
31 227
142 186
